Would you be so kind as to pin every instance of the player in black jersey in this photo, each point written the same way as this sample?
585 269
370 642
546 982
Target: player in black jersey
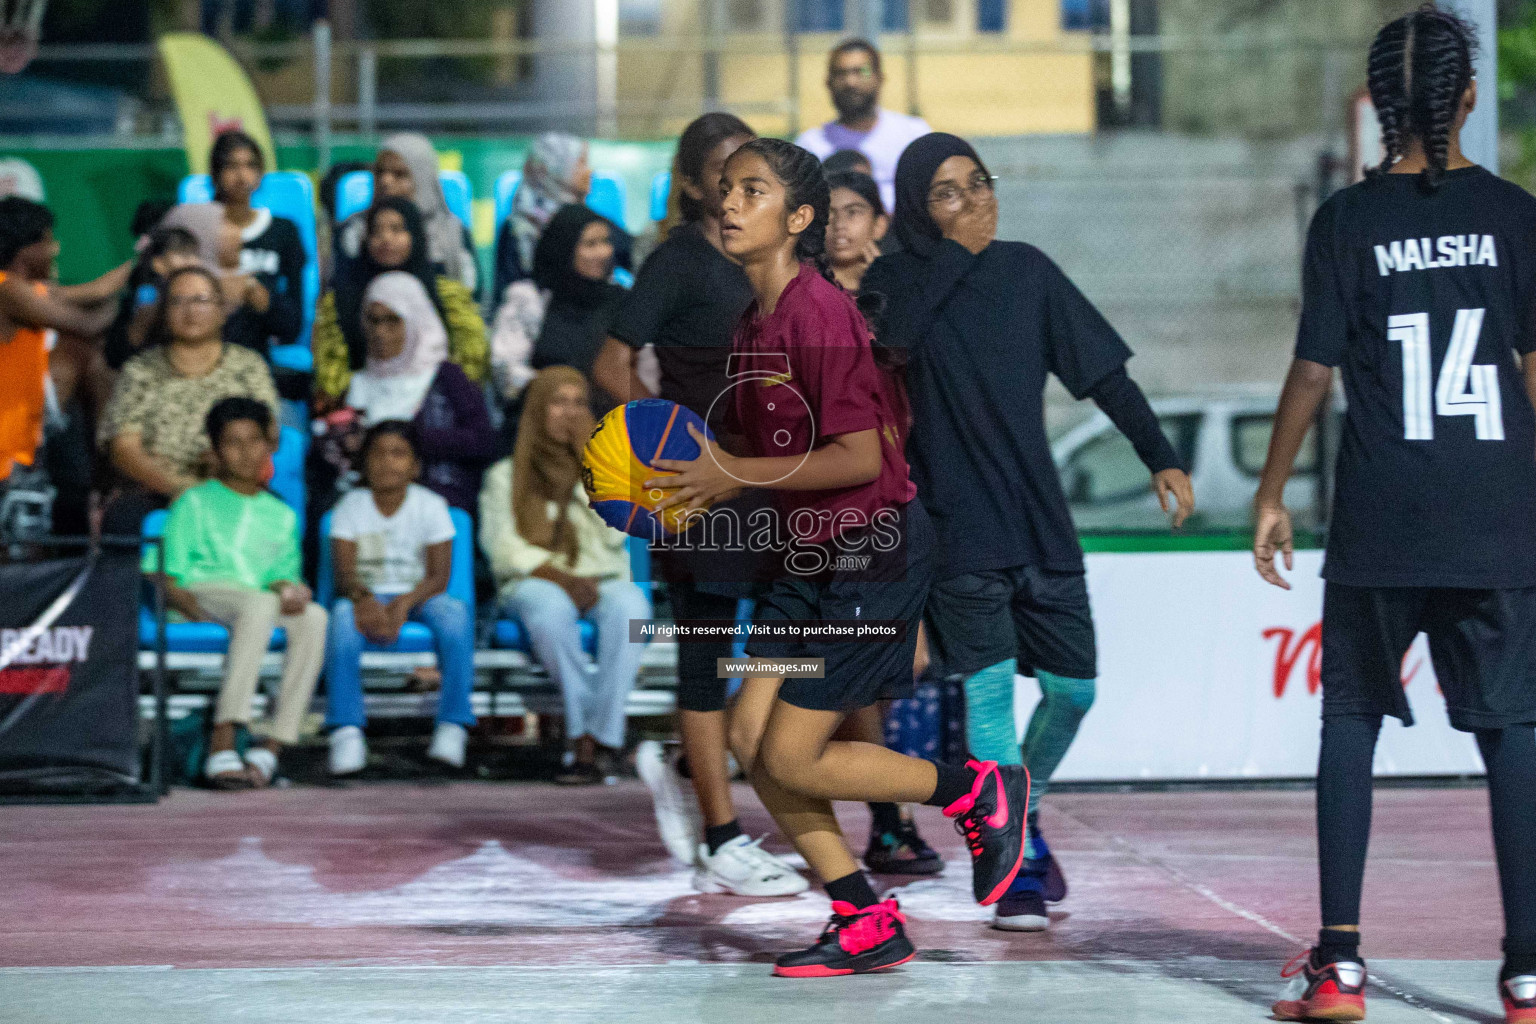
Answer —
1420 284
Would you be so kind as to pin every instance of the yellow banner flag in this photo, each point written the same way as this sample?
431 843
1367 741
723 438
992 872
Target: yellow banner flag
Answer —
213 96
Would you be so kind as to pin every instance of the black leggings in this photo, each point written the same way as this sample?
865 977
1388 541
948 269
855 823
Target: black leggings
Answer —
699 687
1344 817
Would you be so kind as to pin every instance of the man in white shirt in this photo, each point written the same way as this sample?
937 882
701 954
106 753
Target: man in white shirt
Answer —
854 78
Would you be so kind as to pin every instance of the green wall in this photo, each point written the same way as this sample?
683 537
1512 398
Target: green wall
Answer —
93 192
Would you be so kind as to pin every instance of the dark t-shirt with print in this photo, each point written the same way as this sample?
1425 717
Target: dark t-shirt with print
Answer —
1423 299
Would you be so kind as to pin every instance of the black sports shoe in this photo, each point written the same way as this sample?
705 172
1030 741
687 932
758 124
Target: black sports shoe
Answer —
1021 910
901 852
854 942
991 819
1055 881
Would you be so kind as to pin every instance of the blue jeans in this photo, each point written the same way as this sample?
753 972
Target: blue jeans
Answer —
453 633
594 703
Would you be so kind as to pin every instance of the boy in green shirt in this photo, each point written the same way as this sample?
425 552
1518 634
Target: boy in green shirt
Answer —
232 556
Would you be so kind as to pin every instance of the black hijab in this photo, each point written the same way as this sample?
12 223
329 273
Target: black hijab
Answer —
915 227
554 259
359 274
580 309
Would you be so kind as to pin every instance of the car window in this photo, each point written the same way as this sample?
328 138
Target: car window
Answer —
1250 445
1107 468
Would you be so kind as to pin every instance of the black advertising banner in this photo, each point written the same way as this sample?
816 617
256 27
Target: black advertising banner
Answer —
69 673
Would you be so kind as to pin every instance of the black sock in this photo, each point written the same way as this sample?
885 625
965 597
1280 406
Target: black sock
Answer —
1519 957
716 836
1335 944
854 888
954 783
884 817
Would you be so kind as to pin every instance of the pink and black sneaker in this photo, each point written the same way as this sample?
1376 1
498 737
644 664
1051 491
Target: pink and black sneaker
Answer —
1519 995
991 819
854 942
1331 991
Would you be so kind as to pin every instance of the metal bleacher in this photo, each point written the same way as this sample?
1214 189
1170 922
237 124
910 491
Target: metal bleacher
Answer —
509 682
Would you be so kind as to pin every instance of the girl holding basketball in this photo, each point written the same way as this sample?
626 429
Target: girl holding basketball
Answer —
823 430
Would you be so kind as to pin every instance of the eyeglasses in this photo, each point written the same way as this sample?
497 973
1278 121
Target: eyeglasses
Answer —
183 301
862 73
979 188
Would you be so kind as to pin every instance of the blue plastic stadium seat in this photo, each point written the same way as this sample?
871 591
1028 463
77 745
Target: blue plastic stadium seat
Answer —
606 196
187 637
354 194
661 187
506 188
459 195
414 638
287 194
288 470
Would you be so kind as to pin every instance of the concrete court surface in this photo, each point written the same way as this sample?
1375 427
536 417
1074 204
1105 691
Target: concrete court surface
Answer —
525 902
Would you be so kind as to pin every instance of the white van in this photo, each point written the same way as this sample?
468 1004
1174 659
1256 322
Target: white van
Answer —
1222 438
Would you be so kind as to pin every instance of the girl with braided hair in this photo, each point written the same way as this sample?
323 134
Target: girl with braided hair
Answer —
824 435
1419 284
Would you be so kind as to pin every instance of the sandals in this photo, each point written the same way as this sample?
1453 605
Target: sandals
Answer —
225 770
262 764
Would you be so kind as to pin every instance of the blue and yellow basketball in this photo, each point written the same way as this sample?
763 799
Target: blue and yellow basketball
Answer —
617 461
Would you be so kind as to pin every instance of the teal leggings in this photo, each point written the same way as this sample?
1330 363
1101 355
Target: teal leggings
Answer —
1051 729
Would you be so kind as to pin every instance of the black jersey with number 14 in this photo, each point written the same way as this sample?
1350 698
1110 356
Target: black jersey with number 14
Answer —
1423 300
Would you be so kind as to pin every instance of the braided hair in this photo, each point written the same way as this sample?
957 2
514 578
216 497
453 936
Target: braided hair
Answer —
1419 68
805 184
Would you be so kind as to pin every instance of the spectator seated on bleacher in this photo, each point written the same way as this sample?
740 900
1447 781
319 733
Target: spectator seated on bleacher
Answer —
166 249
49 350
392 549
395 240
407 376
271 254
556 562
561 315
232 556
407 168
153 429
555 174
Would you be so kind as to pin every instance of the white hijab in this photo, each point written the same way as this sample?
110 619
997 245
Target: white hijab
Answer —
445 235
393 389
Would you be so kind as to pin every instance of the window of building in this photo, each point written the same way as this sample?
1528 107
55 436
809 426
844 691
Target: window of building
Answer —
1085 15
640 17
819 15
991 15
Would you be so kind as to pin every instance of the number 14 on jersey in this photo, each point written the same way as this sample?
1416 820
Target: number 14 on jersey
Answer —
1462 390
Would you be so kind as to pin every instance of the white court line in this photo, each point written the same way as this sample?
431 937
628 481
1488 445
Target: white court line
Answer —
1205 892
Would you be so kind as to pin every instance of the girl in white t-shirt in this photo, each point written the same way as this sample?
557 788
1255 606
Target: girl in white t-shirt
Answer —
392 550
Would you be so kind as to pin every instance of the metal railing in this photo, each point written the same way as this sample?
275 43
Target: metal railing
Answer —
363 69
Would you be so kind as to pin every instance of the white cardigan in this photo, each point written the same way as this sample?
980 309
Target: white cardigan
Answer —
600 549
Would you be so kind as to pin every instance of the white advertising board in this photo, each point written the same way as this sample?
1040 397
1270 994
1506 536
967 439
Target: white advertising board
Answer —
1207 672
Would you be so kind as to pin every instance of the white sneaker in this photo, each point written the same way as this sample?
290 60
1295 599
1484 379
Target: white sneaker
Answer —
677 808
349 750
449 741
743 868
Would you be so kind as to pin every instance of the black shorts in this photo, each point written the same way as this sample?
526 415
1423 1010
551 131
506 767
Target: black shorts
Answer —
1482 643
1039 617
858 674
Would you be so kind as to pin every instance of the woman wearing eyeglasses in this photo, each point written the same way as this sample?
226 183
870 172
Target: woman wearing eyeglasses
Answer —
153 428
983 323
